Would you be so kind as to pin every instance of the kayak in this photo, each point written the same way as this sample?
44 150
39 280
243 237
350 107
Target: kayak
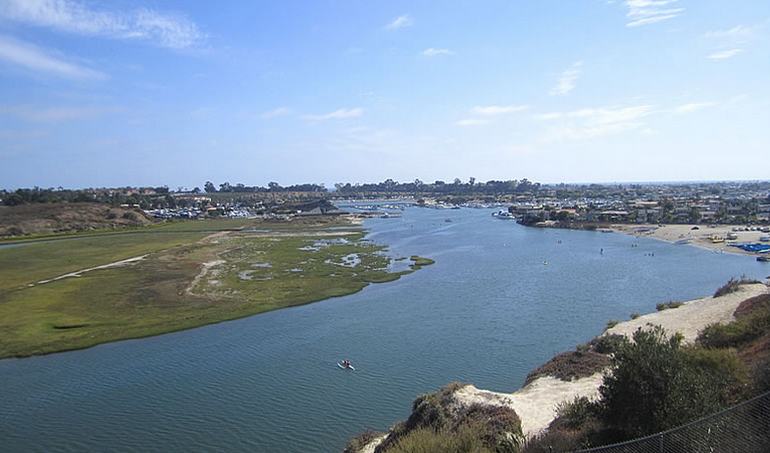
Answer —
350 367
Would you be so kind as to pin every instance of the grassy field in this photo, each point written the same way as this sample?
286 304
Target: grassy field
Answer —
195 273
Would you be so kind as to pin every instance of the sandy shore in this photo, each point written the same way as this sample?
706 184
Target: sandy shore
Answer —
700 237
536 403
692 317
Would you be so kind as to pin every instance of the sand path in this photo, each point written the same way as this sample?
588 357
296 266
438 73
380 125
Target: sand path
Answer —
79 273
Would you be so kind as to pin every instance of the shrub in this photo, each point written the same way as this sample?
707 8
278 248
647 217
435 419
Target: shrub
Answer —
574 414
571 365
426 440
667 305
493 428
612 323
753 321
635 315
733 285
498 427
608 344
760 375
656 384
130 215
360 441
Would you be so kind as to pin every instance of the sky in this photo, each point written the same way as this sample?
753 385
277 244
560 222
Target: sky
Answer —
151 92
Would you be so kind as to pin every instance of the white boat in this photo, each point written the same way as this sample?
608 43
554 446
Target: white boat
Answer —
349 367
502 214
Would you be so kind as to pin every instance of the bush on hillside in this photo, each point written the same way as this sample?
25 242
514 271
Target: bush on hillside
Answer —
357 443
571 365
753 321
733 285
494 428
608 344
575 427
657 384
426 440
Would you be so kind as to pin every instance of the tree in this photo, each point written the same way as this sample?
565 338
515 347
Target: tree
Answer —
694 215
658 384
209 187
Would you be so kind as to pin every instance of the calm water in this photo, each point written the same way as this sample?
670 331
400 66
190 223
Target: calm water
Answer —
487 312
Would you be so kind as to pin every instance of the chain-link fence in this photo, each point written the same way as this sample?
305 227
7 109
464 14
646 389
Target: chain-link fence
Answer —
744 428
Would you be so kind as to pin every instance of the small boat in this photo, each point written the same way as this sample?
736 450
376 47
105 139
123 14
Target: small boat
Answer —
501 214
763 259
348 367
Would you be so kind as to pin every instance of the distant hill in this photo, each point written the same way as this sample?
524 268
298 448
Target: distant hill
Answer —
48 218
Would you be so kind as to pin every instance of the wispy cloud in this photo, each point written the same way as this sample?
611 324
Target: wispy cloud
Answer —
567 80
433 52
73 16
693 107
725 54
340 114
591 123
399 22
53 114
730 42
644 12
471 122
739 33
34 58
276 112
493 110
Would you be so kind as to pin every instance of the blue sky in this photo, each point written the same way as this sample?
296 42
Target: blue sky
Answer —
180 92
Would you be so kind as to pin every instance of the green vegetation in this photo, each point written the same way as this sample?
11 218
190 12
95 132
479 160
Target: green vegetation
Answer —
651 384
752 322
667 305
733 285
360 441
437 424
608 344
419 262
635 315
612 323
571 365
657 384
195 273
426 440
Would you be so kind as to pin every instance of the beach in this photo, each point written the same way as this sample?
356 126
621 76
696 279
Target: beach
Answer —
697 235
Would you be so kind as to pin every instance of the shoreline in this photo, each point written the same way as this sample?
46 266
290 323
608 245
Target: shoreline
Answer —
536 402
700 237
186 322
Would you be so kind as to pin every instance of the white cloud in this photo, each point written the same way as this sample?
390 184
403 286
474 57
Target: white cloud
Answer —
38 60
276 112
471 122
567 80
739 33
724 54
493 110
53 114
693 107
644 12
595 122
432 52
339 114
73 16
400 22
731 42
